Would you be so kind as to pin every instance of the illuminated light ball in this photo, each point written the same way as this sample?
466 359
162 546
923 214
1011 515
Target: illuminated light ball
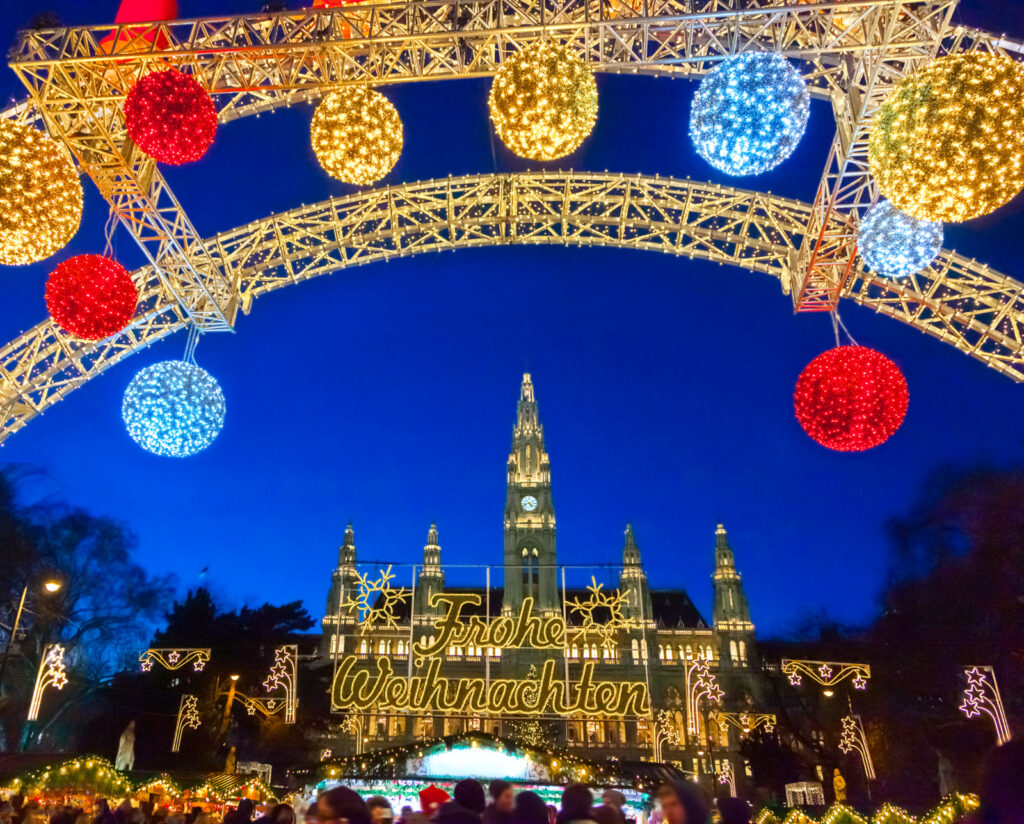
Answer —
543 101
91 296
948 143
851 398
357 135
40 195
749 113
173 408
895 244
170 117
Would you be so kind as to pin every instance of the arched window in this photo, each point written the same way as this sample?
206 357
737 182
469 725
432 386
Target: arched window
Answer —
635 646
382 647
661 653
709 653
668 653
689 652
734 654
743 651
574 655
363 647
593 651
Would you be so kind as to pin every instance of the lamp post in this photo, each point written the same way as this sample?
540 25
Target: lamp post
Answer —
50 586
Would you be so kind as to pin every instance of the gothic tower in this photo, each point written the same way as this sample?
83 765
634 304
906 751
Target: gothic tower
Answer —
633 581
730 612
343 586
430 578
529 513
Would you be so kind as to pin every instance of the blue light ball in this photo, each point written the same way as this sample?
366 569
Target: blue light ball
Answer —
749 113
173 408
895 244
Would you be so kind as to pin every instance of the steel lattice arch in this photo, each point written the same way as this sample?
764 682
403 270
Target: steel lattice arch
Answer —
956 300
850 52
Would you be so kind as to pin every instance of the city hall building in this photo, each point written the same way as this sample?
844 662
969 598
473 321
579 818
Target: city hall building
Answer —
608 667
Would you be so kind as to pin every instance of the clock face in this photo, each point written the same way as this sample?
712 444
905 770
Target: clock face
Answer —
529 503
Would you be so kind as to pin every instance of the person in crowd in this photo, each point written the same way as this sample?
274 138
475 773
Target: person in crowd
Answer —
432 798
606 815
469 794
242 814
528 808
577 801
380 810
312 814
103 813
503 798
1001 799
405 816
616 801
682 803
341 804
6 812
733 810
202 818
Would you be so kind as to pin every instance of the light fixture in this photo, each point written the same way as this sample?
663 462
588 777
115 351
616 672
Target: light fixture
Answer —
52 585
828 693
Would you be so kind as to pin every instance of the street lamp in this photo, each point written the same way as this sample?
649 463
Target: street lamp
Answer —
50 586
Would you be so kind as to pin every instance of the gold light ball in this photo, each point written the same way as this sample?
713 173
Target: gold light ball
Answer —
40 195
357 135
543 101
948 143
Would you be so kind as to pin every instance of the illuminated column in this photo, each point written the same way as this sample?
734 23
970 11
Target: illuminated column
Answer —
188 716
982 696
853 738
51 673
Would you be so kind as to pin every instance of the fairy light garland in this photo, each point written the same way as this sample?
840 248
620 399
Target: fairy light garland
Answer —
851 398
40 195
173 408
948 143
951 809
749 113
543 101
91 296
356 135
895 244
170 117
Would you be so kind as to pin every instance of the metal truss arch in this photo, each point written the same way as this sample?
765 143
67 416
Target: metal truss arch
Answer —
965 304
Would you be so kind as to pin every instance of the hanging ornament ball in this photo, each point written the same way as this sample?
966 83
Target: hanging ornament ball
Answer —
173 408
40 196
357 135
897 245
91 296
543 101
851 398
170 117
749 113
948 143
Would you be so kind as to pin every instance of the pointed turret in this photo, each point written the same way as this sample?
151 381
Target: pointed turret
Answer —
633 581
430 578
343 587
347 551
731 612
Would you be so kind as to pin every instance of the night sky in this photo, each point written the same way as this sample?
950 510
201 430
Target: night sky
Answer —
386 394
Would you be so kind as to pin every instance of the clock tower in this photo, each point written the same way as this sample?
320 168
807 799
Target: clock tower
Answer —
530 562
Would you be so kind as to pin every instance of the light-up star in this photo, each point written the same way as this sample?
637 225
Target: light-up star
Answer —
970 708
147 665
59 680
975 677
198 665
174 656
250 709
795 679
825 671
860 682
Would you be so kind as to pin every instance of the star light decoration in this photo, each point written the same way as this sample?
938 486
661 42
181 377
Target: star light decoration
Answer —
170 117
851 398
40 195
895 244
982 696
356 135
52 673
543 101
948 143
749 113
173 408
91 296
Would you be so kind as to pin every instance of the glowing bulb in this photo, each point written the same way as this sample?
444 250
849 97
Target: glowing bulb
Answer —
356 135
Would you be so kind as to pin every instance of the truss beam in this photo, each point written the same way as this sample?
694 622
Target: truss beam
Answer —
976 310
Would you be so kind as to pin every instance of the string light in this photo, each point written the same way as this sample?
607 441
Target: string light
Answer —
40 195
170 117
948 143
356 135
851 398
91 296
896 245
543 101
173 408
749 113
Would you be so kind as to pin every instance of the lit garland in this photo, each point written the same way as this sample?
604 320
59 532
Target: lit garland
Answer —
948 143
91 296
543 101
951 809
357 135
40 195
170 117
173 408
851 398
897 245
749 113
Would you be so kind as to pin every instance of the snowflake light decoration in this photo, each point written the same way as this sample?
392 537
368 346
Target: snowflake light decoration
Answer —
895 244
173 408
376 601
602 604
749 113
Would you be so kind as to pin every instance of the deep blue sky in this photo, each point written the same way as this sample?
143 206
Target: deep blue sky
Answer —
386 394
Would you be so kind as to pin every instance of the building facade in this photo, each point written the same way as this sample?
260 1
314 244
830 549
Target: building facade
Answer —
618 631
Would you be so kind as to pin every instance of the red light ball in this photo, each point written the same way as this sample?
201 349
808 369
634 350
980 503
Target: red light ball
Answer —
170 117
91 296
851 398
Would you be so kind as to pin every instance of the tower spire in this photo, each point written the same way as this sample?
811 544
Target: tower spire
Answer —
731 612
633 581
431 577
